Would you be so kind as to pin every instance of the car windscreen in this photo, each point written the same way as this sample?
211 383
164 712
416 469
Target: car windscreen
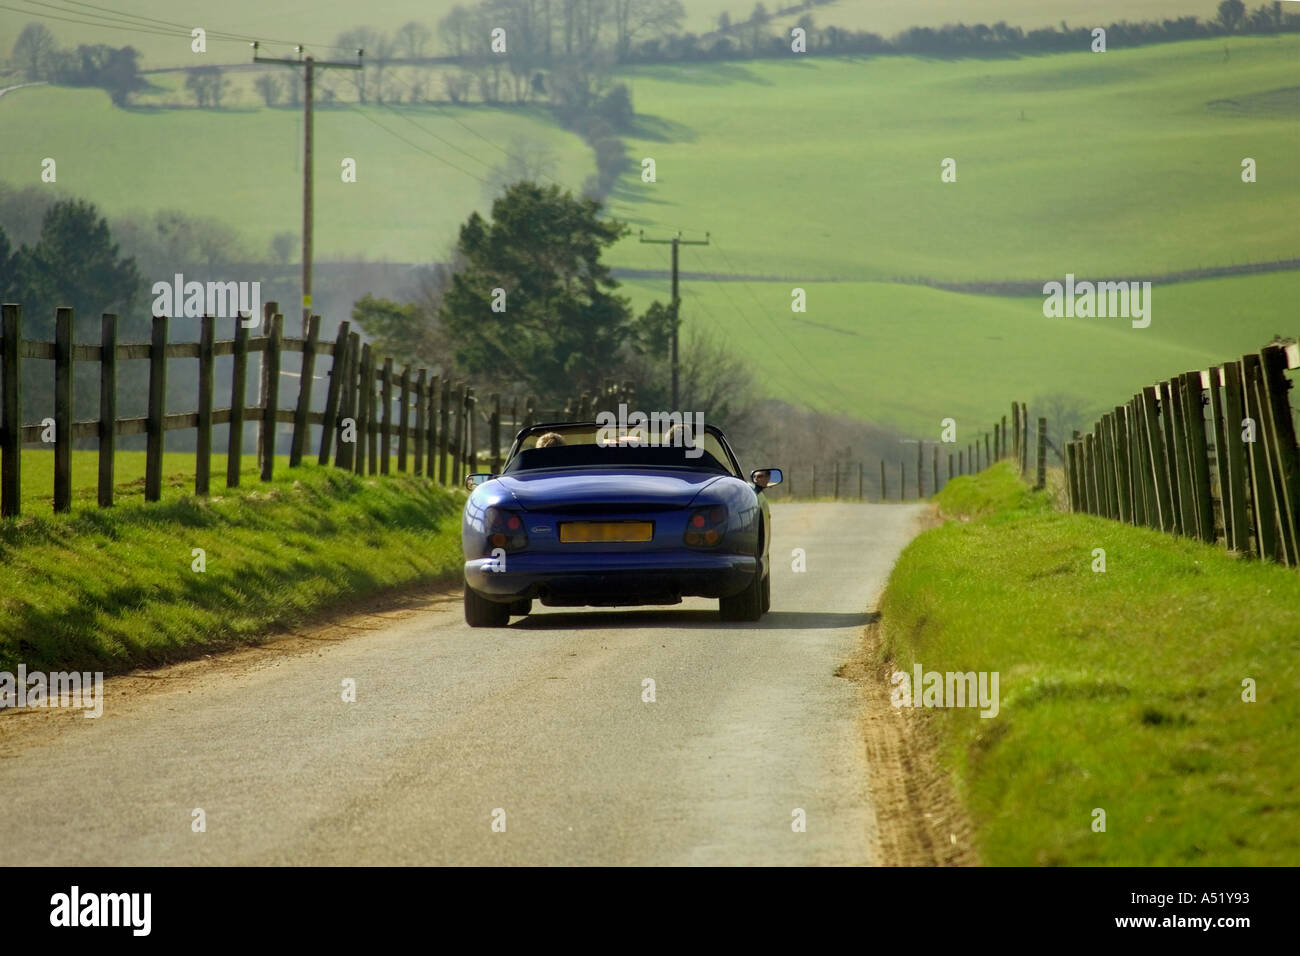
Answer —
614 456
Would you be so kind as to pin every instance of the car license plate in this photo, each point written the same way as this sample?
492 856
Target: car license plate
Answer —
586 532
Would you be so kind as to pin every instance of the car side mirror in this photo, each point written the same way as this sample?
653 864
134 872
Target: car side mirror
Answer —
766 477
473 481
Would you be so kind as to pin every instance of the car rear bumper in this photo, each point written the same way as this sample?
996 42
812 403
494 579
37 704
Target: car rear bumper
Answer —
612 580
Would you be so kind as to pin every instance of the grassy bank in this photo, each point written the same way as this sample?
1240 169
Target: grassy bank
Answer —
1119 690
116 588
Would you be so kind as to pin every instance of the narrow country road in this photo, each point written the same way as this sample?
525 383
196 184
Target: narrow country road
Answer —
544 720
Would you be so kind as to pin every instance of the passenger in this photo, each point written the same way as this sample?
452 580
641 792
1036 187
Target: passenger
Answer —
679 435
550 439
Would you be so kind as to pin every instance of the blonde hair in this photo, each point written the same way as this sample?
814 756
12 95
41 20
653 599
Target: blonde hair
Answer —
549 439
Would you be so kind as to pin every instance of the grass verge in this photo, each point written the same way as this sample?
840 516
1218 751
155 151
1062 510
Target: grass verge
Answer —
1120 691
116 588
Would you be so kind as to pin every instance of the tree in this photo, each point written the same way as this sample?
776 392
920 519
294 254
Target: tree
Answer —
282 247
33 51
1231 13
207 84
75 263
120 75
563 328
530 160
644 19
268 84
413 39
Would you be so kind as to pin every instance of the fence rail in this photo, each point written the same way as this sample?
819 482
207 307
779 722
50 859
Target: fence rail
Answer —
440 426
1207 454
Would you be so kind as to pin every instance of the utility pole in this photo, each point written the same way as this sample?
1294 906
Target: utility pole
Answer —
676 241
309 65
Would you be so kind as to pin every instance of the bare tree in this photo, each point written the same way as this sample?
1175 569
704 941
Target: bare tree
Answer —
413 39
270 86
33 51
644 19
528 159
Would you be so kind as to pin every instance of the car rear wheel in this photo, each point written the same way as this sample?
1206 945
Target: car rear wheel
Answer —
767 593
480 612
522 608
745 606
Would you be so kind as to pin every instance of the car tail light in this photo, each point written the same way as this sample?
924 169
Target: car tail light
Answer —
505 529
705 527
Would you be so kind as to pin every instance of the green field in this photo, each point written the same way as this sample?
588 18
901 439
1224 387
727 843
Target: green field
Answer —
911 356
318 24
111 589
1125 165
1119 690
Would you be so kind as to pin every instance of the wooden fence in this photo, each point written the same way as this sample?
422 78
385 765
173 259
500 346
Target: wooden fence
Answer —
895 481
439 425
1207 454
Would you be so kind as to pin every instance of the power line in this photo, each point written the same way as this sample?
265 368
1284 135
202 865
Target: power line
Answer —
780 353
119 16
763 311
417 146
430 132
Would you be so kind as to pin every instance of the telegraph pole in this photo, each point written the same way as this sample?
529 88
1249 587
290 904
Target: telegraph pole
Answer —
309 65
676 241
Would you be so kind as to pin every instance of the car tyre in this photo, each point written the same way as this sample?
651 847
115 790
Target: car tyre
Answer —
480 612
522 608
745 606
767 593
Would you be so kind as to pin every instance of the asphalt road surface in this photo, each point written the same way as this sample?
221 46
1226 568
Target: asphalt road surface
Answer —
543 720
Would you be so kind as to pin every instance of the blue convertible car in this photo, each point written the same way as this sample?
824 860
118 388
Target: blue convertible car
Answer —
575 519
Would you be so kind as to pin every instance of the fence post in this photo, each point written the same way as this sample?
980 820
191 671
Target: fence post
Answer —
363 411
271 363
920 470
157 410
421 420
1235 484
934 469
238 385
470 457
1071 484
108 406
1016 437
1281 448
62 410
1136 466
374 416
1198 456
1260 480
1089 477
343 379
386 417
988 450
307 369
268 309
11 466
458 441
1123 466
1041 481
203 447
404 416
494 434
444 431
431 445
331 416
1177 417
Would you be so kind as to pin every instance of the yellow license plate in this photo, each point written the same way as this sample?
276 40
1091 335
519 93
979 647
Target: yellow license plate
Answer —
587 532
